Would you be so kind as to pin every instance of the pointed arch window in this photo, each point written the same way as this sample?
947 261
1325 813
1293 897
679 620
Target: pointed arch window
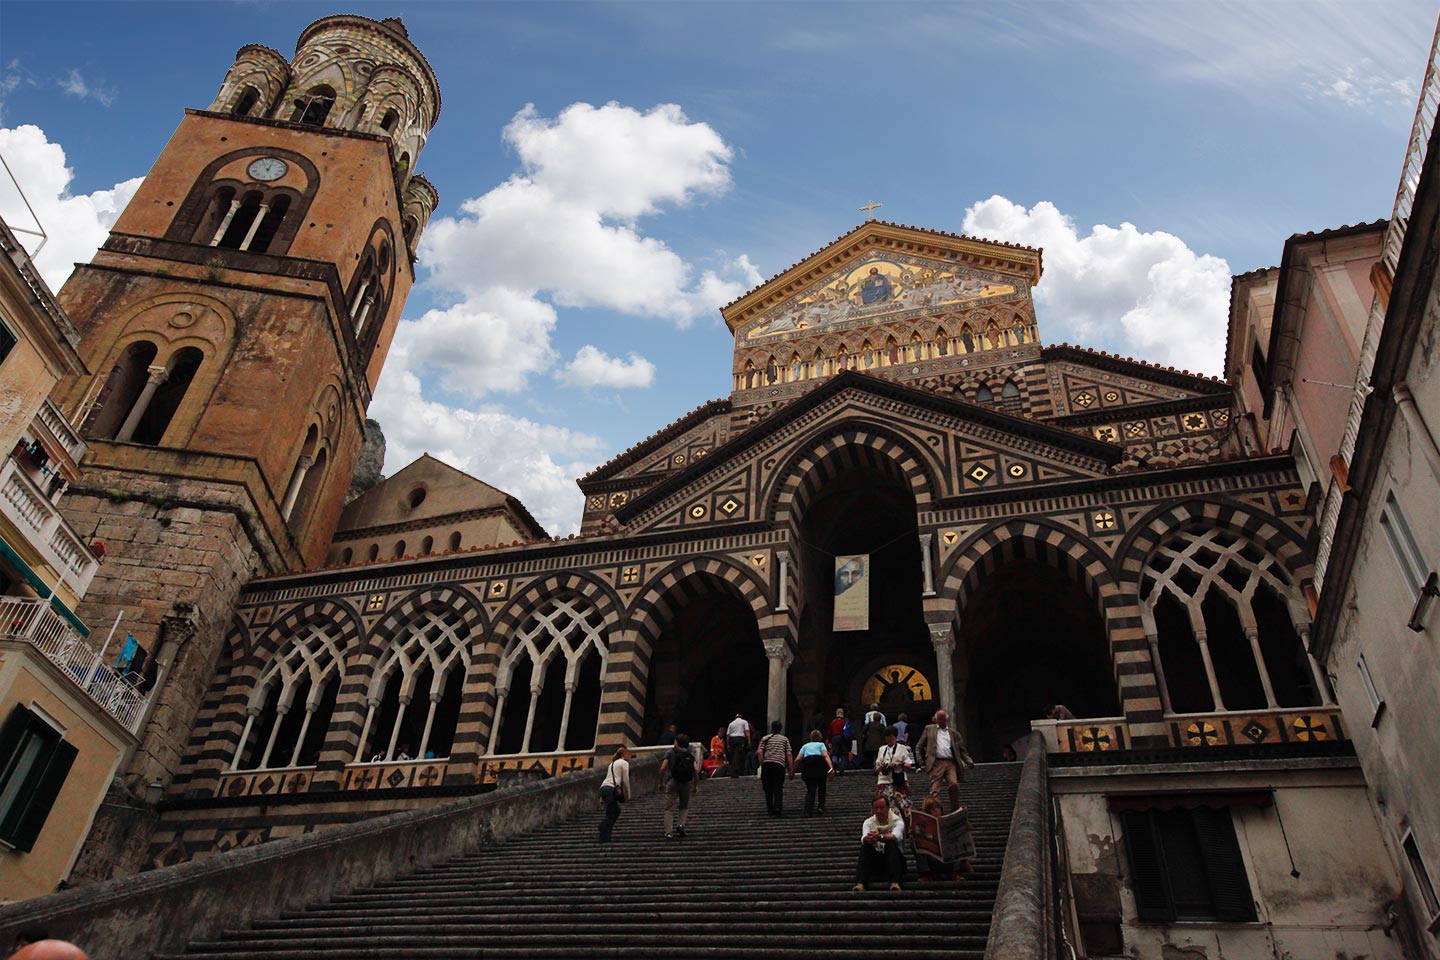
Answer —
290 708
1010 390
415 693
1213 599
984 394
548 685
389 120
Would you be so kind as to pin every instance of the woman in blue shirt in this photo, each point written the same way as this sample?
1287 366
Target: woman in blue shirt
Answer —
815 769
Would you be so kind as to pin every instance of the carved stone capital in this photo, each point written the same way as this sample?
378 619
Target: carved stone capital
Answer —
779 649
942 636
156 375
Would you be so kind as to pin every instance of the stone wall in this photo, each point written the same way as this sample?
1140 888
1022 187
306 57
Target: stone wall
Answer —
163 910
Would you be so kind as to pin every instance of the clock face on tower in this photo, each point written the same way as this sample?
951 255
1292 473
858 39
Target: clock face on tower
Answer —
268 168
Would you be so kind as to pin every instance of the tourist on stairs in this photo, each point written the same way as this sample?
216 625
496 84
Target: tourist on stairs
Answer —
839 740
880 856
816 770
677 782
775 761
941 752
738 734
614 790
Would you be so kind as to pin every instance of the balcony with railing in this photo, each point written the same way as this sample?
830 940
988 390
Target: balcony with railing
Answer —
26 506
33 621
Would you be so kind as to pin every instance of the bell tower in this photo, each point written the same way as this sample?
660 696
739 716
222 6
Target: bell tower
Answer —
236 321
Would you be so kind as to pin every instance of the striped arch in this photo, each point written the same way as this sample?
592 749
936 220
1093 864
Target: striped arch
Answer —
835 448
1146 535
480 710
347 727
1080 559
600 594
220 719
622 703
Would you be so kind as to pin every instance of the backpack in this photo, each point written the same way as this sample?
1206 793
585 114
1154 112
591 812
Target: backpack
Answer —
682 765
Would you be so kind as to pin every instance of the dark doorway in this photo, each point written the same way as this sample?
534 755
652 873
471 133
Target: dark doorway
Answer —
864 510
708 664
1033 637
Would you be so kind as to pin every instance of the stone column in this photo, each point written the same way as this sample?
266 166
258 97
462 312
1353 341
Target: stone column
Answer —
302 467
777 651
1253 635
155 377
1322 688
942 638
927 564
1203 639
782 557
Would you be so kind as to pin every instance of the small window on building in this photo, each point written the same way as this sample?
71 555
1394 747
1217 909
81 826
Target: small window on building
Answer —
1185 864
1413 567
347 555
984 395
387 122
427 545
1257 363
417 497
374 551
455 540
34 762
1010 389
314 106
7 342
399 548
1423 884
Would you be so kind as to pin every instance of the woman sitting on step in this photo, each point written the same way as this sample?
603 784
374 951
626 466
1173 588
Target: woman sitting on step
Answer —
880 856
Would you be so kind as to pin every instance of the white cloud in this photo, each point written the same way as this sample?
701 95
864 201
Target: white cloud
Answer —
562 232
594 368
1147 295
534 462
565 229
76 224
491 342
77 86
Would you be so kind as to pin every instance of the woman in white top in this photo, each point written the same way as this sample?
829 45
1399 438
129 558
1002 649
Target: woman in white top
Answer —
892 760
614 790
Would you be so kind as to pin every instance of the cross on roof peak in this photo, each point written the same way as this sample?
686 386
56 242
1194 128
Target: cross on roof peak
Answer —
869 209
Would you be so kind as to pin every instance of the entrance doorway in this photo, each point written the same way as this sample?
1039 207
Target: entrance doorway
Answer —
1032 637
708 664
866 510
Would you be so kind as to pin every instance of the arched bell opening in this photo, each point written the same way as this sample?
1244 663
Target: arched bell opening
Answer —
1032 637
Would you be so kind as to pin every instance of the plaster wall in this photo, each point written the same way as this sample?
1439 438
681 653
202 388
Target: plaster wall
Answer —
1397 744
27 679
1335 907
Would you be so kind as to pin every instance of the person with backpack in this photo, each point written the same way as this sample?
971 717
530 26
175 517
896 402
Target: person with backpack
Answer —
839 740
775 761
678 782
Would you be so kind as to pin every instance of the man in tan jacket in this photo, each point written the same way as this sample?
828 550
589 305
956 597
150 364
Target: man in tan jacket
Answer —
942 752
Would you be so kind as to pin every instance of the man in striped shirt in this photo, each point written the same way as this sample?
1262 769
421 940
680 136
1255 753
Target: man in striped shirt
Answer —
776 761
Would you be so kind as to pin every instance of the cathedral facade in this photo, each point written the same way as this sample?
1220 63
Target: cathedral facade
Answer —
906 497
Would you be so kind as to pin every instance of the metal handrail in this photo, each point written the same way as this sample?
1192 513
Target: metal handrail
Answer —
34 621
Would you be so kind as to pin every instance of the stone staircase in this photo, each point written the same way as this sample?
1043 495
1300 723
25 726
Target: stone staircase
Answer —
742 884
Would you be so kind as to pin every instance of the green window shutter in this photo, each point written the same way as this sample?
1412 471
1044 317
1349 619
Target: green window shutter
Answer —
1230 886
1147 870
50 777
12 734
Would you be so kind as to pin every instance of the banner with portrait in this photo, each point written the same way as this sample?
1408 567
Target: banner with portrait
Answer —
852 593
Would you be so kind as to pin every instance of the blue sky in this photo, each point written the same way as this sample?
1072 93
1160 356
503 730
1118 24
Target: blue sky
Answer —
568 310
